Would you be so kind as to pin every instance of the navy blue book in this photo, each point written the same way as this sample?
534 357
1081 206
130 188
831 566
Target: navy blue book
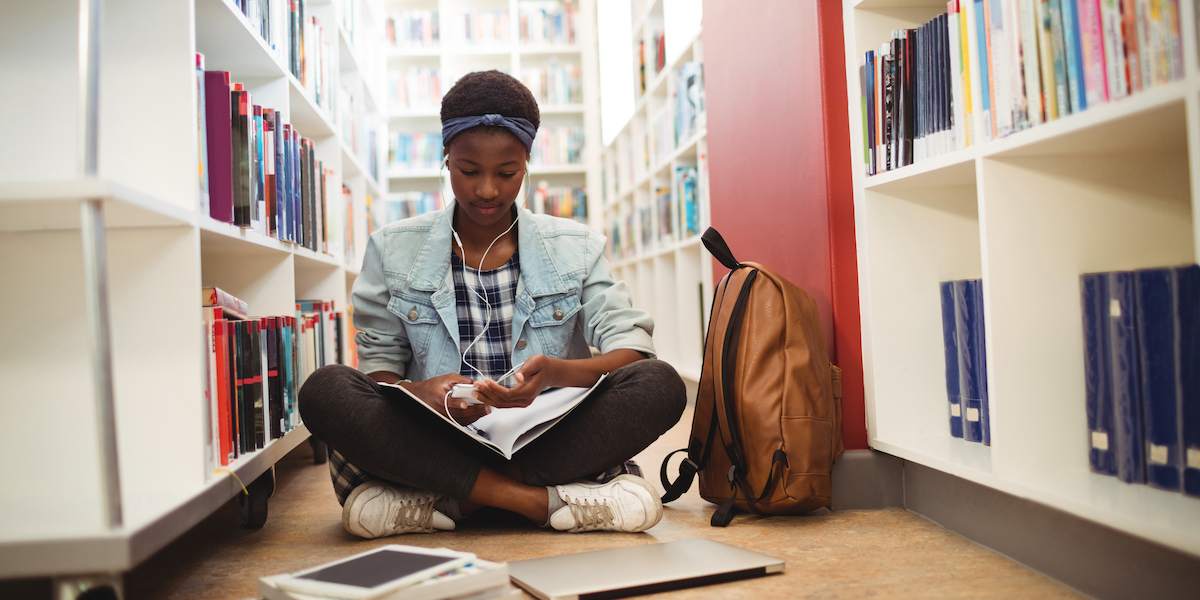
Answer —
1097 353
1158 343
985 421
1126 382
967 326
950 343
1189 378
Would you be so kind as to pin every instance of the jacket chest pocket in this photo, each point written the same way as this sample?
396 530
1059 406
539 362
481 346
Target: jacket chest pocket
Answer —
420 320
553 322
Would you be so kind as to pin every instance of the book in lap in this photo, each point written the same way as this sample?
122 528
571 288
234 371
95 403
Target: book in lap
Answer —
507 430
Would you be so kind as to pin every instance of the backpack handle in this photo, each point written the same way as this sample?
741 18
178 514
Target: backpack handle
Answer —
718 248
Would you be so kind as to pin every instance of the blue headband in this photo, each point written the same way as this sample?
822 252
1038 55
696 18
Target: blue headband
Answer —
523 129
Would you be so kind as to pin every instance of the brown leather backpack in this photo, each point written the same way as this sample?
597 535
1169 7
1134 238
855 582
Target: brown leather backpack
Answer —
768 420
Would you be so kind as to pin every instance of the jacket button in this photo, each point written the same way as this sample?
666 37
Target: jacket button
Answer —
521 344
412 315
558 314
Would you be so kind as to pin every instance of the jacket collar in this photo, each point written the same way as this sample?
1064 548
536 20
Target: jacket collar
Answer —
431 268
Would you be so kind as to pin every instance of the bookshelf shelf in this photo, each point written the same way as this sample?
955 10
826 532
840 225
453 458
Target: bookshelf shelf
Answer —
1108 188
160 246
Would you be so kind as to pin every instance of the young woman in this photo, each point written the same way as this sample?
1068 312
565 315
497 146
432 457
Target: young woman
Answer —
463 295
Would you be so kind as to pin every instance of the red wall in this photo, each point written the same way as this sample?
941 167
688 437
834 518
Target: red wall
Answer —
779 162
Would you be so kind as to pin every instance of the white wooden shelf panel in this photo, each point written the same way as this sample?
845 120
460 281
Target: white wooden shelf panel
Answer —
50 205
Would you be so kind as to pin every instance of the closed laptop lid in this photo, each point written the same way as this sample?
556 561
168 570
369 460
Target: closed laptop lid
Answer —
634 570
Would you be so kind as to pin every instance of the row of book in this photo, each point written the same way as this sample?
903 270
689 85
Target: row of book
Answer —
651 55
964 339
414 88
412 29
255 366
415 150
261 173
989 68
564 201
402 205
1141 336
484 27
555 83
297 39
547 21
688 99
672 216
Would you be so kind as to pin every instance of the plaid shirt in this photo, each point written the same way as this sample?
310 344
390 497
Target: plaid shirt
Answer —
492 354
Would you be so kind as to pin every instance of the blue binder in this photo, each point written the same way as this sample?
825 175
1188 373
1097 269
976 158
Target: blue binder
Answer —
985 420
1158 349
1126 384
950 344
1102 457
967 325
1189 376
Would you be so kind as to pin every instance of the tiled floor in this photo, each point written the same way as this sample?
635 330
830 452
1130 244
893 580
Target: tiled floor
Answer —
849 554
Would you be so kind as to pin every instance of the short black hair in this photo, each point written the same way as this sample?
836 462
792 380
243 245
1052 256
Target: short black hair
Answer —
490 92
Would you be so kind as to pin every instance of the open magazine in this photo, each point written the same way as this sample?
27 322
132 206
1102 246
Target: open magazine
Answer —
507 430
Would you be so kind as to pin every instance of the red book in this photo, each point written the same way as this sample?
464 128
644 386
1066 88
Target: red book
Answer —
218 118
221 352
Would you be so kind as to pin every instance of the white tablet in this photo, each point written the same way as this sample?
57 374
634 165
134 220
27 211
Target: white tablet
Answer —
375 572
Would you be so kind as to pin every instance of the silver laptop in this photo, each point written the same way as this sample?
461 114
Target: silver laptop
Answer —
635 570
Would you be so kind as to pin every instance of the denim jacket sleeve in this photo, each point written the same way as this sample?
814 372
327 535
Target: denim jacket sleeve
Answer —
382 341
610 320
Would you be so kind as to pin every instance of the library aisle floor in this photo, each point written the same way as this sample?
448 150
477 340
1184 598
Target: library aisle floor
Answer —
847 554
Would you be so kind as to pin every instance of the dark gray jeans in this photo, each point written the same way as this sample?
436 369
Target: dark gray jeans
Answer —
382 431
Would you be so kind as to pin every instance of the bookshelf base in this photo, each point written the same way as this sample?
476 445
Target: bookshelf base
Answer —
1167 518
123 549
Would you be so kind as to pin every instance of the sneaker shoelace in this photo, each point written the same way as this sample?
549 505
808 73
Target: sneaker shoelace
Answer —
413 516
590 514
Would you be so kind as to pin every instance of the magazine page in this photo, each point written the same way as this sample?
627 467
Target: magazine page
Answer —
507 430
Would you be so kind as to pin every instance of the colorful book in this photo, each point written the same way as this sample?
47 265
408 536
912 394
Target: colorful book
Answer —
1059 53
1046 56
1091 38
1031 62
233 306
201 137
1073 48
218 126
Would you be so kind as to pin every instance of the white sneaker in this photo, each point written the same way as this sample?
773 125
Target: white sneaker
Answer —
376 509
627 503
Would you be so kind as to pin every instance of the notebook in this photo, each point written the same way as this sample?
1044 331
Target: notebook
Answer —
636 570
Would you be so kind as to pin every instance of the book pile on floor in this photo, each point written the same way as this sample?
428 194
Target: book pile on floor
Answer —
475 580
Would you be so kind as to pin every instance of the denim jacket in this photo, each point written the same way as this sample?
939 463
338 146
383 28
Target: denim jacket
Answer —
404 303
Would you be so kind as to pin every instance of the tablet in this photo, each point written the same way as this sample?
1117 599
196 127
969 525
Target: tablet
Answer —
375 572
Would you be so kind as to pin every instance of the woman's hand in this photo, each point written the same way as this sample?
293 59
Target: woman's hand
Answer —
433 392
538 373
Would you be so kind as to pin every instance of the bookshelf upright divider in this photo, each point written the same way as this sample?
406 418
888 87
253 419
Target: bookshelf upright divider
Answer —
159 248
1108 188
655 205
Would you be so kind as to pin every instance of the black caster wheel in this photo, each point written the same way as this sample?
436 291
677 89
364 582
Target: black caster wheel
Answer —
252 506
320 451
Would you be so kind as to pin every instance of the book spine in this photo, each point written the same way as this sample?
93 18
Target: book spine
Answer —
967 330
1091 35
1058 49
985 421
953 33
1114 49
1031 74
258 173
1189 377
950 346
259 414
1074 54
1001 71
988 57
1126 383
1158 351
1098 395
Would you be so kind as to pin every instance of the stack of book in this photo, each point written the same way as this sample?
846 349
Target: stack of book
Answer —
261 173
297 39
415 150
555 83
255 366
480 27
415 88
964 341
988 68
557 145
1141 336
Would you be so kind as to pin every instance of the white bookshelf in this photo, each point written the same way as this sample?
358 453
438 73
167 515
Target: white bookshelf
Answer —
1113 187
670 276
453 56
160 249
